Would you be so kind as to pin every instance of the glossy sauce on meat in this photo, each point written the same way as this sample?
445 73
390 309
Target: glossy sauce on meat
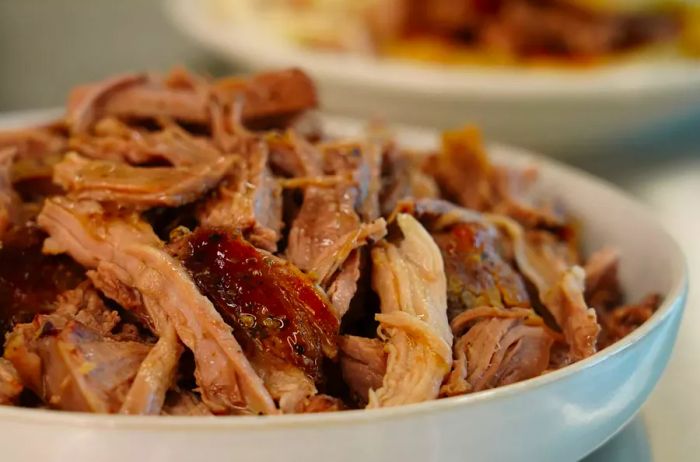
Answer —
30 280
272 307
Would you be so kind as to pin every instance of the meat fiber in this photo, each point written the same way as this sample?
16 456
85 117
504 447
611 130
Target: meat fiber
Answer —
82 229
143 187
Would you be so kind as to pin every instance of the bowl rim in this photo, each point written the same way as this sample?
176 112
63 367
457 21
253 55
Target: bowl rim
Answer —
616 81
673 301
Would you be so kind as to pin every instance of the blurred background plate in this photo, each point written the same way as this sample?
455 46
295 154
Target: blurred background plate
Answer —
562 111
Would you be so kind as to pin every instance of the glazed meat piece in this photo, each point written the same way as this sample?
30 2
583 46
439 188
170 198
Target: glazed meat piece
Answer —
477 274
108 181
276 94
278 315
10 384
227 381
249 200
30 280
409 278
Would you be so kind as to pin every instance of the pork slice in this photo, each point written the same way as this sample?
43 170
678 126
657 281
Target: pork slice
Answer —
249 200
344 285
10 383
560 284
363 363
408 275
274 94
466 175
224 375
144 187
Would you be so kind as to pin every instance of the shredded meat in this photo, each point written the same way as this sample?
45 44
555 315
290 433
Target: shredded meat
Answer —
227 380
177 245
249 200
409 278
69 357
116 141
286 325
329 229
560 285
108 181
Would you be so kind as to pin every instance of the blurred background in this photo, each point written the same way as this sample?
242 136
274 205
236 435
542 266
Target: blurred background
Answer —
46 47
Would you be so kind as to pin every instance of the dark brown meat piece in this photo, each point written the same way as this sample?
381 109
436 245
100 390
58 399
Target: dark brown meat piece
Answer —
30 280
271 305
285 325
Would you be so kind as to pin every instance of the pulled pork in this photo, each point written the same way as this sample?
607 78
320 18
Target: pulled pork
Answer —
181 246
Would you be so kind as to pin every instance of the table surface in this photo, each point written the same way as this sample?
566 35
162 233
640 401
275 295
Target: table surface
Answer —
84 40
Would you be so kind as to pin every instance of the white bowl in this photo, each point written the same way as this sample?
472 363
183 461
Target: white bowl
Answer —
562 111
561 416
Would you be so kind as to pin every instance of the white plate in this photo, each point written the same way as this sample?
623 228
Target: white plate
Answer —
561 416
562 111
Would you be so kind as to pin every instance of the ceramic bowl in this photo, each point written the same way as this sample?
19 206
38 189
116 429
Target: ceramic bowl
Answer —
561 416
560 111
